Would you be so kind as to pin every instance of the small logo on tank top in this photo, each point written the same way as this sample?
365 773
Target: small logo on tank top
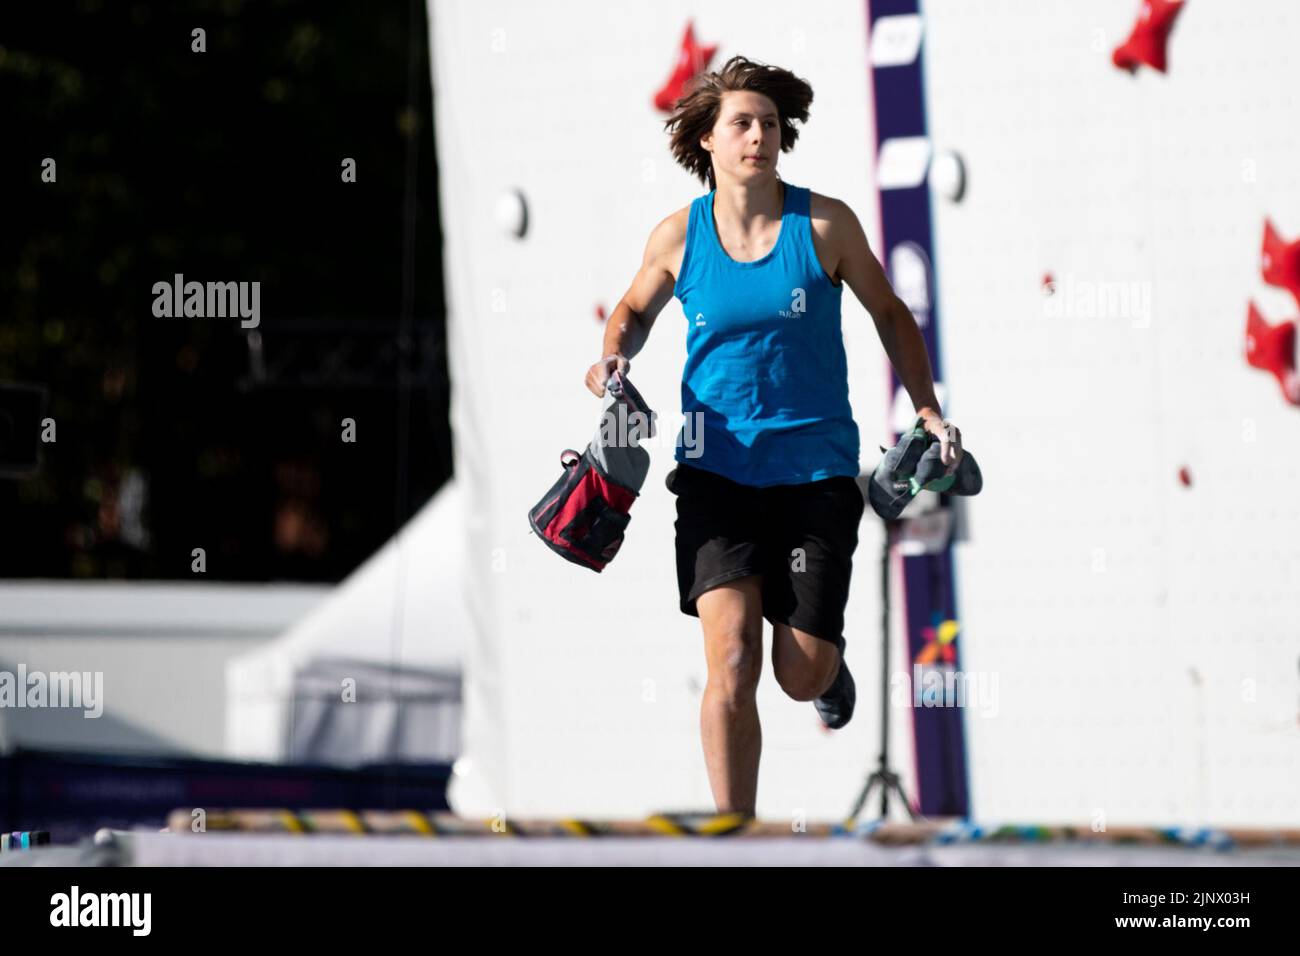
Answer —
699 320
797 306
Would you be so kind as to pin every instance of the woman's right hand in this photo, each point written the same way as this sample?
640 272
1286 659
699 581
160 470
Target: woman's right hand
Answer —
600 373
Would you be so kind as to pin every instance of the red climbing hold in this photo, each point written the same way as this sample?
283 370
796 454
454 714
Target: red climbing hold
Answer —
1150 36
1272 348
1279 261
691 59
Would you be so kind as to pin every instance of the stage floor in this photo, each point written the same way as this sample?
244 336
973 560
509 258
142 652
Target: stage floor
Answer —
152 849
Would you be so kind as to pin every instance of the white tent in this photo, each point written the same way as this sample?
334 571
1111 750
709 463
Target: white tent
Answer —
374 672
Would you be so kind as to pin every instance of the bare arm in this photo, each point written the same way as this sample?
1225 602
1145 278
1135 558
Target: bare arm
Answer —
629 325
894 322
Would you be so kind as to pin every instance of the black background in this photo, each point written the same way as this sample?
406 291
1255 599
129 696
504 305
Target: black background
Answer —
223 166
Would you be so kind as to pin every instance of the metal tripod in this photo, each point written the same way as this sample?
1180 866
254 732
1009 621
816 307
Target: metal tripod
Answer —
887 780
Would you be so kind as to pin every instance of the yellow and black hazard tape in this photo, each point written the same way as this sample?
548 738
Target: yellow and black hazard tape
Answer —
442 823
724 824
437 823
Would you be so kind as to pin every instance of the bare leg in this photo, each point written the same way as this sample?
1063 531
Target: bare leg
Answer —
805 666
732 617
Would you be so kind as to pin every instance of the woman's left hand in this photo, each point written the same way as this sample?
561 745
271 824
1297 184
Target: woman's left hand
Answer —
949 436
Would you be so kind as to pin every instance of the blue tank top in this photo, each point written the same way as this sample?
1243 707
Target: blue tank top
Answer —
765 390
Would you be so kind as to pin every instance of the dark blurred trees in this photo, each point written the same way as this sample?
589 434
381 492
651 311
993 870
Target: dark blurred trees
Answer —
175 434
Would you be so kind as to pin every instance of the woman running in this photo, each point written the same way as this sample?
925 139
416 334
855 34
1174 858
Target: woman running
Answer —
767 502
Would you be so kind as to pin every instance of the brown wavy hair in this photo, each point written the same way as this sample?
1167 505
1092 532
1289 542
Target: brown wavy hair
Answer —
695 113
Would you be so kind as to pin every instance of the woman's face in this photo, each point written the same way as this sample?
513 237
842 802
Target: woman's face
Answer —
746 139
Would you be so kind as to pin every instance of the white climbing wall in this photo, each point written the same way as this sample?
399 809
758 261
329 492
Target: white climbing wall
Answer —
1141 630
1146 631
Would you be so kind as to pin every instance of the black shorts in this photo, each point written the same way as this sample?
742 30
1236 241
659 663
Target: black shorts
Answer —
727 530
